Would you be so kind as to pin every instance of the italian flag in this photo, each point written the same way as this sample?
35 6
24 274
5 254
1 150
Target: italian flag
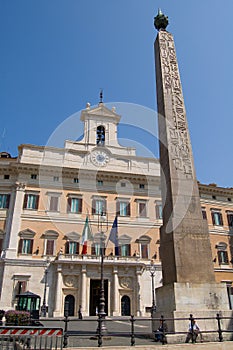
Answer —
86 236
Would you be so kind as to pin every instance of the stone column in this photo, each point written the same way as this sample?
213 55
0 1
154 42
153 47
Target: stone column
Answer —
13 224
115 293
138 292
83 298
59 307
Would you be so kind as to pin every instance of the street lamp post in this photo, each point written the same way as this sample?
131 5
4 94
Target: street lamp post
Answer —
152 274
101 314
44 308
153 307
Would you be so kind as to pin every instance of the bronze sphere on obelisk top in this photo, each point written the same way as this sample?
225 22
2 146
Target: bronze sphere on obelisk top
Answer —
161 21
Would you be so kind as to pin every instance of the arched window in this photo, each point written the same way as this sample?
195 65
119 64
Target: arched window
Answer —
100 135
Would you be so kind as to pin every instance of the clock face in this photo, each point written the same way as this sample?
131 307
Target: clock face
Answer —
99 158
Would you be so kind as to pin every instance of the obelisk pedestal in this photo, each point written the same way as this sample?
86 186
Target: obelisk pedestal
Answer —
189 285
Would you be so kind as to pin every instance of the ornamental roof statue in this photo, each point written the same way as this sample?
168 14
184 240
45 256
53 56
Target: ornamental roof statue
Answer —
161 21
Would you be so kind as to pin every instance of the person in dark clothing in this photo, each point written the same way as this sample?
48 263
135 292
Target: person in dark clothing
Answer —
160 332
80 316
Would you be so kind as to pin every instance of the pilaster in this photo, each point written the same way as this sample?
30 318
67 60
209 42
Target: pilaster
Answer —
14 221
58 297
115 293
83 297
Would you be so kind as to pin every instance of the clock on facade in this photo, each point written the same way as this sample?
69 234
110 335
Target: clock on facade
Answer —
99 158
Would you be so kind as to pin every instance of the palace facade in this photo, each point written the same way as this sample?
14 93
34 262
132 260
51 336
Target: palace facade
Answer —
47 193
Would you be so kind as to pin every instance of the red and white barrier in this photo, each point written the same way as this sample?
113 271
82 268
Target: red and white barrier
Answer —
49 332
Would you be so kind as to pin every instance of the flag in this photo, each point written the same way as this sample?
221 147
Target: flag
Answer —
86 236
113 237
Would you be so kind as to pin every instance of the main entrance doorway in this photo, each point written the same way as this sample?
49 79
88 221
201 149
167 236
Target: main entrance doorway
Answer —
95 296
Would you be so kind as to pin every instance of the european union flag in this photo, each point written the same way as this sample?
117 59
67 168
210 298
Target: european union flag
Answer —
113 237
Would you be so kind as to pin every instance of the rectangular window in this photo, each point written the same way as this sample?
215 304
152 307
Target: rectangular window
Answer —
6 177
4 201
33 176
76 180
217 218
100 183
98 206
53 205
123 208
31 201
141 186
159 210
72 248
74 205
49 247
25 246
55 178
142 209
230 219
125 250
123 184
223 257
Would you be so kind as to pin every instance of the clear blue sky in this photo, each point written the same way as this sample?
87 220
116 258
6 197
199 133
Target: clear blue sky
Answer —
57 54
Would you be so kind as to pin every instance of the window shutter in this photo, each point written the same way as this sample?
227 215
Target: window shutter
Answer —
230 219
80 207
129 249
142 209
67 247
24 286
104 207
128 209
8 201
69 205
49 247
204 214
37 202
213 218
25 201
119 250
118 208
220 219
20 246
93 206
77 248
30 247
53 203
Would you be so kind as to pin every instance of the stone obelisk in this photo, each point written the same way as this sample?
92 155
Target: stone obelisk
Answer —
188 276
